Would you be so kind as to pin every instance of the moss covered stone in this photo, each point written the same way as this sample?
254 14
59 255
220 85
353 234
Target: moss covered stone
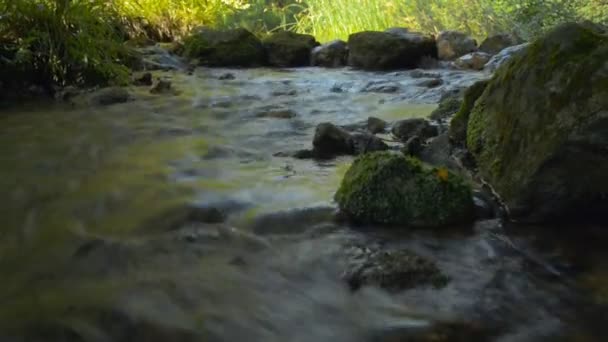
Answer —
388 188
289 49
539 132
447 107
373 50
458 125
237 47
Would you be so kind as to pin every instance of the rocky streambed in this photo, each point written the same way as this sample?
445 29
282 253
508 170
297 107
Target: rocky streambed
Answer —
190 213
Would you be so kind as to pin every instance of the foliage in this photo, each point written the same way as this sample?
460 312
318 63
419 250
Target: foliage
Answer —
62 41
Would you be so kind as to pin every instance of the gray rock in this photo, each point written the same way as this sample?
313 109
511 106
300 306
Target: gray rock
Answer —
162 87
496 43
109 96
144 79
412 147
430 83
473 61
504 56
277 114
453 44
330 55
381 87
373 50
539 131
365 143
394 270
405 129
235 47
330 141
289 49
376 125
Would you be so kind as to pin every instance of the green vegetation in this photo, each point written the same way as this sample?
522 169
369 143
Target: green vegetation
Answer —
60 42
388 188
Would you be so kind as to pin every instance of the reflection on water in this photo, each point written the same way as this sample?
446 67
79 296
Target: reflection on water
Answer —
84 253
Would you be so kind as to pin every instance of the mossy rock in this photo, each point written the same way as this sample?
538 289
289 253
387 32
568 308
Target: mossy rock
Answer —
389 188
539 132
218 48
289 49
458 124
447 107
371 50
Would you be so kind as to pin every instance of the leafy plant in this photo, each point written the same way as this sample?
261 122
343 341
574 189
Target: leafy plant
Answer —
64 41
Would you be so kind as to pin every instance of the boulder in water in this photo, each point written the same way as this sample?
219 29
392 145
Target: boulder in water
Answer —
473 60
539 132
405 129
389 188
109 96
376 125
331 141
289 49
498 42
504 56
330 55
373 50
394 270
454 44
234 47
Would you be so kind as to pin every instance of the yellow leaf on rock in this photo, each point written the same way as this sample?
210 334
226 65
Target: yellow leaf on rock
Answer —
442 174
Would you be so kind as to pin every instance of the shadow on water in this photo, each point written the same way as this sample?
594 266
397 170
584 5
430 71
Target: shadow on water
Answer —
89 253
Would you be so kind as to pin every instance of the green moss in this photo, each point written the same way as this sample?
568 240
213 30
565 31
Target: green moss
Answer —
289 49
388 188
446 108
458 125
237 47
531 107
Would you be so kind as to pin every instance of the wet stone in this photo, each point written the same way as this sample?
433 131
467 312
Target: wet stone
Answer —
393 270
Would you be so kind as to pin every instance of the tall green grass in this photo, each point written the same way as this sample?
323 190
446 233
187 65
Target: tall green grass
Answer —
61 41
333 19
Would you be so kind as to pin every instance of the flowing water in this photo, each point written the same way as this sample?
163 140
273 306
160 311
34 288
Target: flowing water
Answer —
91 247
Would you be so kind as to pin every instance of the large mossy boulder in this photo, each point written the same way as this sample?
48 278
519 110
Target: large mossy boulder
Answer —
539 132
225 48
289 49
458 124
389 188
373 50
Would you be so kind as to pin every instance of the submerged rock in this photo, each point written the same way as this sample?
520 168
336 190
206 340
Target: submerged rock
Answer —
162 87
381 87
405 129
473 61
498 42
289 49
330 55
236 47
388 188
454 44
109 96
373 50
539 131
277 114
144 79
394 270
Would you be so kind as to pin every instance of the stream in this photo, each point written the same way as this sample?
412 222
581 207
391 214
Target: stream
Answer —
95 245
